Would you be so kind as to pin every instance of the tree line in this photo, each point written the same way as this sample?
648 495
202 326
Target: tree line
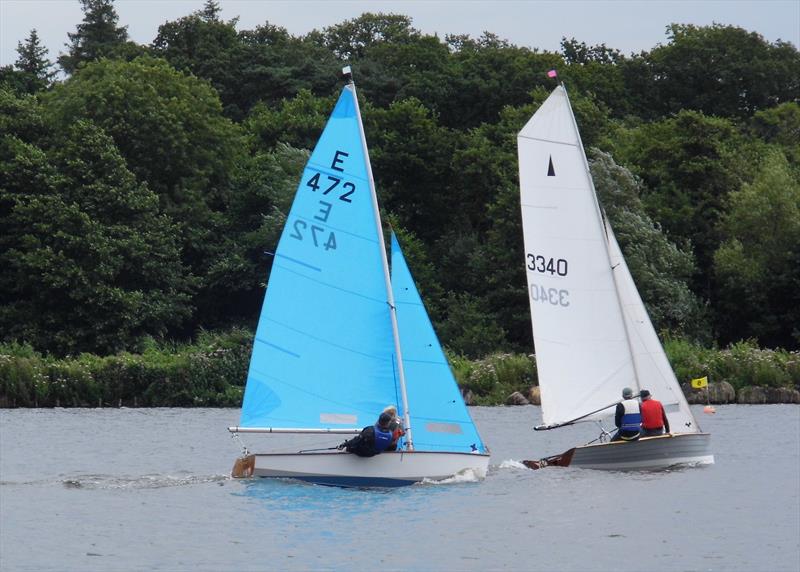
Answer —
141 186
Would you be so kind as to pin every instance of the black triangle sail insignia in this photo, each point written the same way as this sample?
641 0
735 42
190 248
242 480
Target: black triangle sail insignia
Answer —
550 171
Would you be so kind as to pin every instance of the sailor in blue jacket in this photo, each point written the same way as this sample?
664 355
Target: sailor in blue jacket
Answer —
628 418
372 440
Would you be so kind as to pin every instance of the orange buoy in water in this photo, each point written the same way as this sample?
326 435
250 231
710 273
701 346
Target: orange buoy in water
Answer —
709 409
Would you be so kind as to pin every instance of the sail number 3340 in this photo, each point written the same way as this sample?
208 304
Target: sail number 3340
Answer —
545 265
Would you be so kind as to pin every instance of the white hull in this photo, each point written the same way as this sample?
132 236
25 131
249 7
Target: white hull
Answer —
390 469
646 453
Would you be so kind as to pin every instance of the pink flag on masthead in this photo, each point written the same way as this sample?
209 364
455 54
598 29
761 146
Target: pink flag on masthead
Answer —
552 73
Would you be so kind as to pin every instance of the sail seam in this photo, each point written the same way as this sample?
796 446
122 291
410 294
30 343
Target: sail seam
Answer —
322 170
322 340
353 292
547 140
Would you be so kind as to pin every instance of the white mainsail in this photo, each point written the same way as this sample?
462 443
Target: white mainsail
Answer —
591 331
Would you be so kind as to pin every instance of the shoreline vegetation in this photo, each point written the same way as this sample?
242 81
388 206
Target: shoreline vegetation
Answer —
211 373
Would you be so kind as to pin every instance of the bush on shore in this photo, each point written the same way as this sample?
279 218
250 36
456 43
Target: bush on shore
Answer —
211 373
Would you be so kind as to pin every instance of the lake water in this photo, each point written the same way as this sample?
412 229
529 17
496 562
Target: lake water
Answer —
147 489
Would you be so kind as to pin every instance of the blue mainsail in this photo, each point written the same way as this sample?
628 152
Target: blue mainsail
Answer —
323 355
440 421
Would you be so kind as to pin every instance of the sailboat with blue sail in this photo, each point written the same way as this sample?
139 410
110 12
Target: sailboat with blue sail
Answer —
340 337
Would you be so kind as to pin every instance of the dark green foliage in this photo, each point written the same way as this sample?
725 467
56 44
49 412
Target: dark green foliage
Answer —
170 130
140 198
351 39
168 126
740 364
264 186
718 70
757 268
264 64
33 64
209 373
662 271
97 36
411 156
297 122
492 379
689 164
780 125
89 263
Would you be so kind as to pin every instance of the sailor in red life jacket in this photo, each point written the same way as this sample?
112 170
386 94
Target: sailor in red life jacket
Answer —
628 418
654 418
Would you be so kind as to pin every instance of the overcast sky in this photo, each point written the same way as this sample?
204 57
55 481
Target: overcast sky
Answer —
627 25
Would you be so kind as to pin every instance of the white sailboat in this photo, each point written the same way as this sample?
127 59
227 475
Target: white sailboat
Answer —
592 334
339 337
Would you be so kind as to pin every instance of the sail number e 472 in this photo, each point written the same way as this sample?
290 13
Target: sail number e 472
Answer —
330 187
543 265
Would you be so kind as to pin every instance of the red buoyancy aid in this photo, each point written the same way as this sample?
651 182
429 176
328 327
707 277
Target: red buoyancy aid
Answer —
652 414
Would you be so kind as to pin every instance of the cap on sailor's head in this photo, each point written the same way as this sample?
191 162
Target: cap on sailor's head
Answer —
644 394
627 393
384 420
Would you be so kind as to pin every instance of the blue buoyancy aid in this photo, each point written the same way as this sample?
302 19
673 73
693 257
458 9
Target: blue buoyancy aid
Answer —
632 418
383 438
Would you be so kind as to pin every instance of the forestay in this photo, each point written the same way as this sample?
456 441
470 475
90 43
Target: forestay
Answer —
441 420
587 348
323 355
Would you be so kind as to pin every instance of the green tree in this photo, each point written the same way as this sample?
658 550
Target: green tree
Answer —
171 132
33 63
89 263
662 271
266 64
780 125
97 36
411 156
719 70
757 268
168 126
297 122
596 70
689 164
351 39
264 185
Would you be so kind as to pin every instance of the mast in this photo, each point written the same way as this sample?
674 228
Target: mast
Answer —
602 221
385 262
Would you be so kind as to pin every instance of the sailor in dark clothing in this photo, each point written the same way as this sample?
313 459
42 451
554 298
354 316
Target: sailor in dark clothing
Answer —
628 418
372 440
396 425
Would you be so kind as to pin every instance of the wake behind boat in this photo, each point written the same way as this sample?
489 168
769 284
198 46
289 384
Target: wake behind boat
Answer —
592 333
339 337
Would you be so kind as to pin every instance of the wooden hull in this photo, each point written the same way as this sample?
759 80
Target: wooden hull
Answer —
646 453
392 469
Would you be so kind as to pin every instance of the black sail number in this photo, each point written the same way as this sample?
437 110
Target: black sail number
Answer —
332 183
544 265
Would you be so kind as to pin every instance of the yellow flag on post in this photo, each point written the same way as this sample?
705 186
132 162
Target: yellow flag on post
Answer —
700 382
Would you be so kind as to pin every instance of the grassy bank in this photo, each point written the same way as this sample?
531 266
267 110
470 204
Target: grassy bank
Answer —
211 373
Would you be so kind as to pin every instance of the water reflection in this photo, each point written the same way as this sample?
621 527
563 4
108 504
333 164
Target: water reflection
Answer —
290 495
